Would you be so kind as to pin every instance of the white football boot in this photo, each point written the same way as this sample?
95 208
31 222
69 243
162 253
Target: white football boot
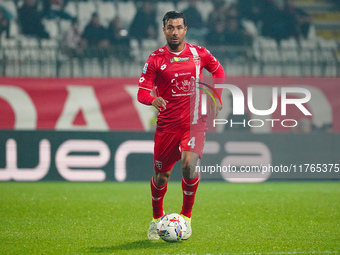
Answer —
152 232
188 224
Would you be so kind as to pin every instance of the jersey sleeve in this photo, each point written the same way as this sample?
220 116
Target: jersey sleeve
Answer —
215 68
146 82
210 62
148 75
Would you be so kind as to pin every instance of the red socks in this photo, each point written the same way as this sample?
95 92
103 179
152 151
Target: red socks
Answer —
157 193
189 187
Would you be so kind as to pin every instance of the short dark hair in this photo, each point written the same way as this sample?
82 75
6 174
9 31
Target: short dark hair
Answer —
173 15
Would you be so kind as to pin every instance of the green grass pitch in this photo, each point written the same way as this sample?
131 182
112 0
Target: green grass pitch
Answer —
113 218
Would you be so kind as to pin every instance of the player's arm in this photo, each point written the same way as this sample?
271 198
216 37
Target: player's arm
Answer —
218 74
145 87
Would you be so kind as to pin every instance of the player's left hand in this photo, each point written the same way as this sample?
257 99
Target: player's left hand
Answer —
215 108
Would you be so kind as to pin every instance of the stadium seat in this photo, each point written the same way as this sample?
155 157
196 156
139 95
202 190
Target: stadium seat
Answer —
10 6
51 27
250 27
267 53
12 55
148 46
182 5
48 56
161 9
92 68
327 44
289 57
309 57
29 48
8 43
64 25
268 48
289 49
71 8
106 12
329 57
49 43
85 11
29 56
205 8
136 51
127 11
230 2
13 29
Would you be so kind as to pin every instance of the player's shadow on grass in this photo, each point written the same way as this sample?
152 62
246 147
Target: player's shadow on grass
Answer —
141 244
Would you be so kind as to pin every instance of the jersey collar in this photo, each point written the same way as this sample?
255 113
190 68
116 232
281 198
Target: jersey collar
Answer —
177 53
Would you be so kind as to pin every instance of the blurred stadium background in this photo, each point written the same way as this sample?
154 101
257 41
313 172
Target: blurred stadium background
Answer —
69 113
263 38
74 66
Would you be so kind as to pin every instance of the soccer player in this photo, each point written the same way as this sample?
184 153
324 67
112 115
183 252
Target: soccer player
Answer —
174 71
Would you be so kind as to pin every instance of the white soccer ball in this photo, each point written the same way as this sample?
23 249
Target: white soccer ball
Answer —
171 227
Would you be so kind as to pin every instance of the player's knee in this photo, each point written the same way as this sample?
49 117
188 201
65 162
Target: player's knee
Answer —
162 178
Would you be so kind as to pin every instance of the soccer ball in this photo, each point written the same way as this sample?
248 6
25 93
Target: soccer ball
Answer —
171 227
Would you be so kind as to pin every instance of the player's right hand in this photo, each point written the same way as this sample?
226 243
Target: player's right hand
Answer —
159 103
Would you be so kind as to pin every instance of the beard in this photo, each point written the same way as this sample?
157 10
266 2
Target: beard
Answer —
173 46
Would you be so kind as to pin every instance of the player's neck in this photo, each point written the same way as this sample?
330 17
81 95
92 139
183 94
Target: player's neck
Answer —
178 49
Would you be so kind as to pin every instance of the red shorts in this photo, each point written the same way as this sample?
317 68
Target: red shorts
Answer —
169 146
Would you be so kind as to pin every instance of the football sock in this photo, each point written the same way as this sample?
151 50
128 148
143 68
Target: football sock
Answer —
157 193
189 187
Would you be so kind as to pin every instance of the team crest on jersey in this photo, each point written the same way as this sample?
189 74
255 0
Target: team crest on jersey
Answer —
158 164
179 59
197 61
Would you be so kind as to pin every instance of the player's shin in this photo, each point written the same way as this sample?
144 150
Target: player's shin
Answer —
157 193
189 187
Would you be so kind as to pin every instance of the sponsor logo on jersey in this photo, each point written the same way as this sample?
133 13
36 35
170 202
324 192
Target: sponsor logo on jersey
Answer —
179 59
181 74
163 67
145 67
188 73
141 79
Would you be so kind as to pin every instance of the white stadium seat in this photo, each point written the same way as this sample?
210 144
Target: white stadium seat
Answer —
71 8
106 12
127 11
205 8
85 11
10 6
182 5
51 27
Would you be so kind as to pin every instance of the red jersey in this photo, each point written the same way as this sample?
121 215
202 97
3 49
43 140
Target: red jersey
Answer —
174 75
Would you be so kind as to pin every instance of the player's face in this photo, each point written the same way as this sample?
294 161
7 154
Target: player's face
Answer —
174 32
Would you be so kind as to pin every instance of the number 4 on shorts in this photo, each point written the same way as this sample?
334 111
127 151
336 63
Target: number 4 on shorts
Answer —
191 143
